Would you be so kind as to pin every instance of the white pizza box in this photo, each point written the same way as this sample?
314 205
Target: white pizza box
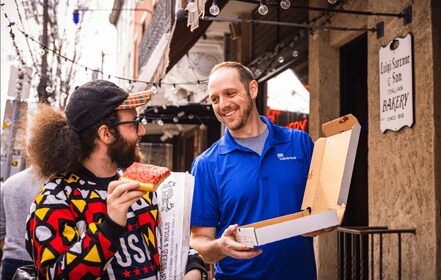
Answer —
175 195
326 191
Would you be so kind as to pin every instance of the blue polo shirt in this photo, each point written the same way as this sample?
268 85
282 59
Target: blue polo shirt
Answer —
235 185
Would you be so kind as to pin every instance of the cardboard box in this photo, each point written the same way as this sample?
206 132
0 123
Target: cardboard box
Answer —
175 197
326 192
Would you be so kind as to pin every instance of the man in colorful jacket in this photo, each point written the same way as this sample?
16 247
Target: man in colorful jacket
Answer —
87 224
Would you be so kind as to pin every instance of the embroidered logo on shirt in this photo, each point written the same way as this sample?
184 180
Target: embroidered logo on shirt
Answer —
281 156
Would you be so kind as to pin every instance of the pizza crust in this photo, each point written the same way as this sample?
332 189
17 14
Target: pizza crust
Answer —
146 187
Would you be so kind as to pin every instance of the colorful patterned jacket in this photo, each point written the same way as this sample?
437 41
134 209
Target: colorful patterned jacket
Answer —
69 235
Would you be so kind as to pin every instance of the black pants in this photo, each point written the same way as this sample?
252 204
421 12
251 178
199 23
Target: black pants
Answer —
9 266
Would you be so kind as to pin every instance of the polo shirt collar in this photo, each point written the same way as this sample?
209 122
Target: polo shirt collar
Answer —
227 143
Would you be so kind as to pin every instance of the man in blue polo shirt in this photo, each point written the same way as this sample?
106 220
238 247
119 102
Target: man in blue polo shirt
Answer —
256 171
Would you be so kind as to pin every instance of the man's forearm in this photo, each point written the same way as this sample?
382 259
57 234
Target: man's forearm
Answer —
208 248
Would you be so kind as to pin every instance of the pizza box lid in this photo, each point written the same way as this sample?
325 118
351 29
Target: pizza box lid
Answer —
326 191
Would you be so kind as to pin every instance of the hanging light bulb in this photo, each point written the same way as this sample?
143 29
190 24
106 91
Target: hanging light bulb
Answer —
129 86
263 9
42 51
160 122
258 72
191 6
144 121
285 4
332 1
281 59
175 119
295 53
214 9
49 89
154 89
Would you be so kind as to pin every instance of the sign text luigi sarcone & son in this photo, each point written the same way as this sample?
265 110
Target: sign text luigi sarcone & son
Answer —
396 84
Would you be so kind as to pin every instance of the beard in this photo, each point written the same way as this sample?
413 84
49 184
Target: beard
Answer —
122 152
243 120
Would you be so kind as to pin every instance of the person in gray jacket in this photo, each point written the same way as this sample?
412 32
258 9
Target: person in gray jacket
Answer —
16 196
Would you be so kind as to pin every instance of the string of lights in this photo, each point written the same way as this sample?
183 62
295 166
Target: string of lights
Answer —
159 115
279 57
154 85
31 53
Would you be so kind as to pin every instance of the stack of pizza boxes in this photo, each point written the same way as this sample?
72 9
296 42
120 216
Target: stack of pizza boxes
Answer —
326 190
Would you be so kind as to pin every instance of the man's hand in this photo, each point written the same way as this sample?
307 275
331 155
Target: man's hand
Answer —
235 249
120 195
213 250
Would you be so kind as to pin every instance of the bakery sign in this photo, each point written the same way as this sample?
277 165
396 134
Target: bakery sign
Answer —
396 84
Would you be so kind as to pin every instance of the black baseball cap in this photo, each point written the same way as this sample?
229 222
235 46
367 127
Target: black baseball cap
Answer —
94 101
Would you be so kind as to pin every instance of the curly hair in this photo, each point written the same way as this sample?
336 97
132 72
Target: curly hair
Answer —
54 146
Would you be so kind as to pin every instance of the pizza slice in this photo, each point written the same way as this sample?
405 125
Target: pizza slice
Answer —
148 176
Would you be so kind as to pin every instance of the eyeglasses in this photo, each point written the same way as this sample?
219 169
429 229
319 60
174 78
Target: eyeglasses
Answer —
136 122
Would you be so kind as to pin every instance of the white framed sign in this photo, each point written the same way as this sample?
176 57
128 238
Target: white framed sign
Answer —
396 84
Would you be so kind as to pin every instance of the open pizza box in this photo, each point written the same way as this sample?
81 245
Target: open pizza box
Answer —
326 192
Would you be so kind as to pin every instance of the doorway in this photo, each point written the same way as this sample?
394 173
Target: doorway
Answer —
353 98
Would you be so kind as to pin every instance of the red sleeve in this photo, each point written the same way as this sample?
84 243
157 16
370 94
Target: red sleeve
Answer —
69 236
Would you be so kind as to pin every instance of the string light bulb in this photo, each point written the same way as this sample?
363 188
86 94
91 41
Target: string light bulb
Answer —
263 9
191 6
332 2
295 53
285 4
49 89
130 86
154 89
173 89
214 9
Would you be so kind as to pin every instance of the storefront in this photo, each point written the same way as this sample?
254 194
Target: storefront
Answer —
335 52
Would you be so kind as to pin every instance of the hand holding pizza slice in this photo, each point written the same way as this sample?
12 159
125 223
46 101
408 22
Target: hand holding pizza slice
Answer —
148 176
